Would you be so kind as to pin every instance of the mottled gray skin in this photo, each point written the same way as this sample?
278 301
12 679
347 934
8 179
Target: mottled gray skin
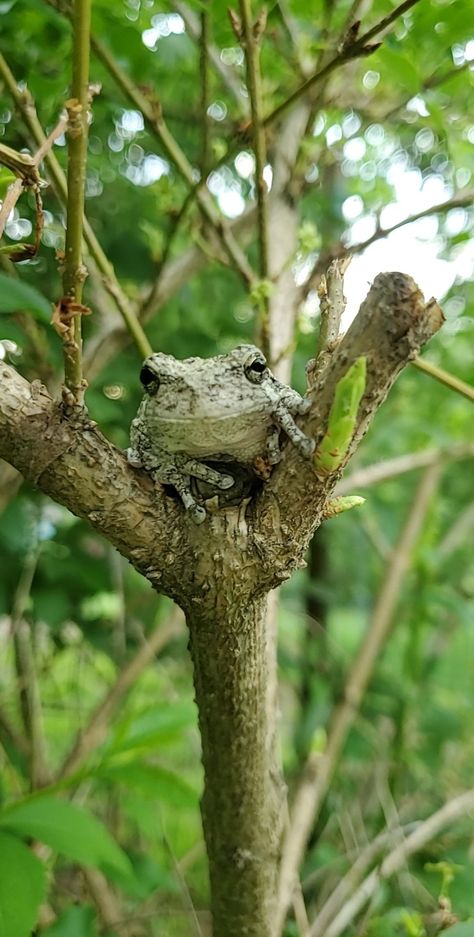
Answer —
228 408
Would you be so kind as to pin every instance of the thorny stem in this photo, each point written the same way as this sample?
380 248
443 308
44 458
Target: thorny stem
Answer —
74 272
251 44
24 103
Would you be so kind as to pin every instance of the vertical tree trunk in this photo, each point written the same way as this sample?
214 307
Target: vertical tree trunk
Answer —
243 793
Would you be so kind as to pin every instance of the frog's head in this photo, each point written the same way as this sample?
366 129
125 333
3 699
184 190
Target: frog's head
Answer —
245 362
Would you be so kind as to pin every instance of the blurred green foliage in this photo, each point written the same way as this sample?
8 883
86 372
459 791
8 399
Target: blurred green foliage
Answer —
403 110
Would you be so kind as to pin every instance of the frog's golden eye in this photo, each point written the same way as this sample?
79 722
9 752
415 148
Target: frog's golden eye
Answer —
148 377
255 369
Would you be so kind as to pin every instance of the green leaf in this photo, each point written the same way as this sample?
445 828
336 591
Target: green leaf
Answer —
156 725
153 781
68 829
22 887
16 296
76 922
6 179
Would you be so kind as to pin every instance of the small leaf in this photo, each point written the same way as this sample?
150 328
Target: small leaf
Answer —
154 726
22 887
16 296
68 829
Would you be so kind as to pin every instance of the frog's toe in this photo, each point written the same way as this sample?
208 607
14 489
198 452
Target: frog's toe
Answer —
307 447
197 513
226 481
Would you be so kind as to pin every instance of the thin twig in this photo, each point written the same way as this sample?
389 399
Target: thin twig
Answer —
94 733
152 114
319 768
204 70
332 302
74 271
444 377
390 468
459 200
230 78
352 50
13 194
25 105
17 187
30 702
455 809
250 36
456 535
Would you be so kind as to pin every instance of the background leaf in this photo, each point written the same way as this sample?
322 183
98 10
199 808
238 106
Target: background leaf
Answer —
22 887
69 829
16 296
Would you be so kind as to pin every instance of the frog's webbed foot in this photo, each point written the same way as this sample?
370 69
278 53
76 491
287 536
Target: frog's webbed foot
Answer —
284 419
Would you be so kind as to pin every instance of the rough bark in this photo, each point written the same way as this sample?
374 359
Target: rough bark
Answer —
241 809
220 573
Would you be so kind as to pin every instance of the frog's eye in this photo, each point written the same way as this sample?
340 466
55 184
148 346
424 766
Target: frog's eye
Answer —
147 377
255 369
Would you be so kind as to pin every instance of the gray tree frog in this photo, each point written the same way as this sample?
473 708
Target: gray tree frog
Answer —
227 408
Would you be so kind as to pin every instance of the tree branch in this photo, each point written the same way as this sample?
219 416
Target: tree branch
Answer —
444 377
229 78
250 35
392 324
319 768
71 461
350 50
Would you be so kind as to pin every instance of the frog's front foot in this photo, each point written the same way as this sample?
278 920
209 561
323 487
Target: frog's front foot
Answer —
306 446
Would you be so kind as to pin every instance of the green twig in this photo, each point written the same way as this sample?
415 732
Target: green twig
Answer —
74 271
250 34
204 69
444 377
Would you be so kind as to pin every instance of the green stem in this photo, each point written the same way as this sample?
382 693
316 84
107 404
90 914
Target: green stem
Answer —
204 68
444 377
254 85
74 272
